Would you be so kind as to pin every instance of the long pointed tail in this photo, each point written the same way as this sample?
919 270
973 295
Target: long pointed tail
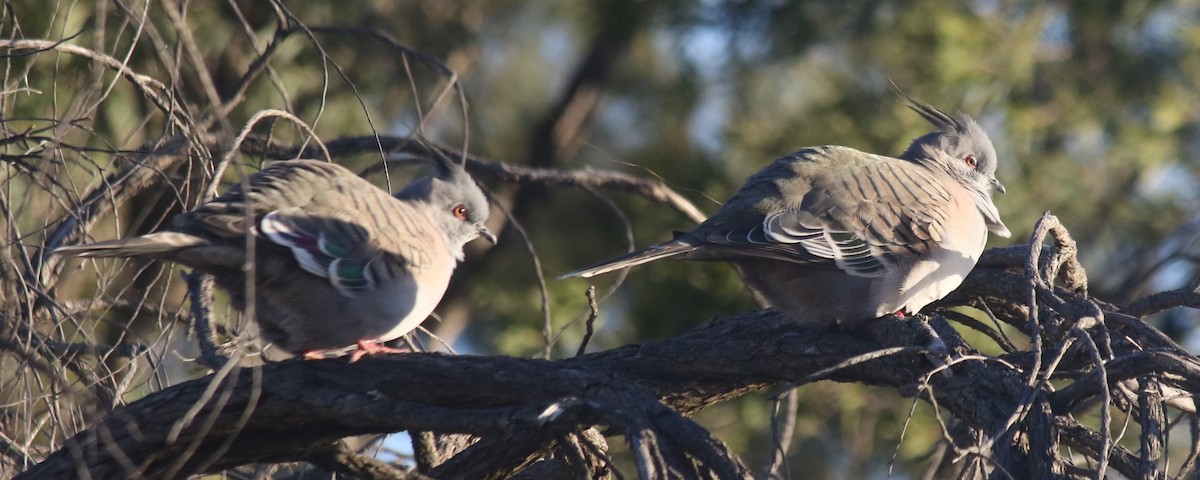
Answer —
153 245
648 254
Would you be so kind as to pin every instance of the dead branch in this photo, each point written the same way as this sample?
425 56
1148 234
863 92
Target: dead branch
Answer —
522 407
484 168
318 402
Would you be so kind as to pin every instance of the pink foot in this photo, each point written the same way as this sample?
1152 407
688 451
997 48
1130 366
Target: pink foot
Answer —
899 314
313 355
368 347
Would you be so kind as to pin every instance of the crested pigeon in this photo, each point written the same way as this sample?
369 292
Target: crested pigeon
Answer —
338 262
834 235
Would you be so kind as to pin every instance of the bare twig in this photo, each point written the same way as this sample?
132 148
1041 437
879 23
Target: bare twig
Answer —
1188 467
1105 412
1160 301
337 457
154 90
593 312
200 292
783 425
488 169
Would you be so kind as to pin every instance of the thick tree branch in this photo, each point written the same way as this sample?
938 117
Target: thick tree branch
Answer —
313 402
522 408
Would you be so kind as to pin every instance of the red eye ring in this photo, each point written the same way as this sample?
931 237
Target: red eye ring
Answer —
460 212
970 161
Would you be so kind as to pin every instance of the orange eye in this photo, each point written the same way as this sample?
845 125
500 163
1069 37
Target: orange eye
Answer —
970 160
460 212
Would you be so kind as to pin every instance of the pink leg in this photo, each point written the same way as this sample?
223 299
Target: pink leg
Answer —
368 347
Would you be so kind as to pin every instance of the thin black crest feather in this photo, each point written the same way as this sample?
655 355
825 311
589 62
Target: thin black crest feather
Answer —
932 115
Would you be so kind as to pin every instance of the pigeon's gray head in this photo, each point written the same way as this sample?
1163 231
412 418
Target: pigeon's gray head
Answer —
457 205
962 149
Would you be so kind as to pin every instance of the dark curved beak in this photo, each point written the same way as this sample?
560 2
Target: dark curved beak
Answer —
487 234
998 186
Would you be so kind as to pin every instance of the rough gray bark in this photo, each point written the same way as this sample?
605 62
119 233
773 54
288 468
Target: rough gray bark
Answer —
522 408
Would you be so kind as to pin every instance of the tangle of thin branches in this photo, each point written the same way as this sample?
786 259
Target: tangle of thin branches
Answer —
104 375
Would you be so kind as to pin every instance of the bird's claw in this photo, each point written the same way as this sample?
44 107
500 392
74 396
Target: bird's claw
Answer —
313 355
369 347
